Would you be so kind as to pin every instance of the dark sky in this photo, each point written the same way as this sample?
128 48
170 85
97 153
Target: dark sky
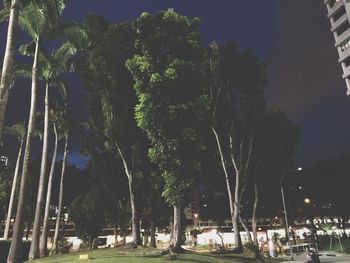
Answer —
292 36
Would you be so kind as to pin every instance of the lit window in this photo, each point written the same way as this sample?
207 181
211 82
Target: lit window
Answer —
345 45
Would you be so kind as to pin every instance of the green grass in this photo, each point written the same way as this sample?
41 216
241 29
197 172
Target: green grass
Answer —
325 240
147 256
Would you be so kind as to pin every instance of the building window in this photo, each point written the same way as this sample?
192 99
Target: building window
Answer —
347 61
342 28
345 45
339 13
333 2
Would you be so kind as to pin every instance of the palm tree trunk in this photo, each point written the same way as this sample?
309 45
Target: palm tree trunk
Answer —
34 251
60 197
16 244
177 234
13 191
7 66
43 239
135 224
255 206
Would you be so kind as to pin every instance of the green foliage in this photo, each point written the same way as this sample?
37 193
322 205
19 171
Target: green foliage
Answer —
18 130
169 85
87 213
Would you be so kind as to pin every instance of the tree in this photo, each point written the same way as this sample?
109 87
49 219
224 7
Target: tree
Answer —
36 19
51 68
56 118
19 131
236 81
8 62
112 100
273 153
65 128
87 213
168 82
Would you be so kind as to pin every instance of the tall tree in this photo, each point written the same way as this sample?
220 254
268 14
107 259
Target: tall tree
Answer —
236 82
168 82
112 99
50 71
19 131
36 19
55 116
8 62
65 129
273 153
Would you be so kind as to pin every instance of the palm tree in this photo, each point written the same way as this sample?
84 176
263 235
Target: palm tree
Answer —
36 19
65 129
56 114
19 131
7 67
51 69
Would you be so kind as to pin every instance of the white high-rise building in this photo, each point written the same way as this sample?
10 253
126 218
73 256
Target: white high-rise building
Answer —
339 15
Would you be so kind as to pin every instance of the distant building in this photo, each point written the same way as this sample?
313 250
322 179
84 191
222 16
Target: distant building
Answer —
339 14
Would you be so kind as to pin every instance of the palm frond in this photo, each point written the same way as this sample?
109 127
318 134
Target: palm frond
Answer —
4 14
73 33
62 56
21 71
62 87
27 49
33 19
7 4
18 130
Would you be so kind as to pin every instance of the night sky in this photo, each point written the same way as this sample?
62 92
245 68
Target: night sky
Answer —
291 36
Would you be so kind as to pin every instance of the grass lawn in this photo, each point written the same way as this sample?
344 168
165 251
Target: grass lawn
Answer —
147 256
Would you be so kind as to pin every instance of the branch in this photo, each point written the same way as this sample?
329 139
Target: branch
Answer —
126 168
232 157
249 152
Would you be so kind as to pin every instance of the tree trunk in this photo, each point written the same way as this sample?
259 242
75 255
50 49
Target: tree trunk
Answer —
135 224
171 239
314 229
34 251
28 226
293 235
46 228
153 242
13 191
7 66
177 233
60 198
16 244
228 186
115 231
246 229
235 218
255 206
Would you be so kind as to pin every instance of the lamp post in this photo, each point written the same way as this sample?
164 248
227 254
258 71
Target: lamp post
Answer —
284 205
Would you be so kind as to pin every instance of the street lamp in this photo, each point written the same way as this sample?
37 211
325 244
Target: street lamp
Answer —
284 204
307 200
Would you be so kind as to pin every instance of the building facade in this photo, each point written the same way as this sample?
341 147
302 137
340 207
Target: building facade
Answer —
339 16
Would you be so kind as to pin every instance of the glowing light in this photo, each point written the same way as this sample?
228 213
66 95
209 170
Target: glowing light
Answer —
196 215
300 168
307 201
